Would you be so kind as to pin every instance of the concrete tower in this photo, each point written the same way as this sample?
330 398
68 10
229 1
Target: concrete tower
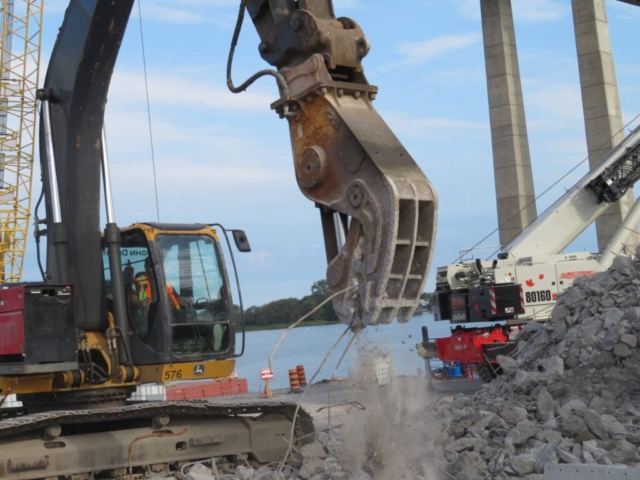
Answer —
600 102
515 195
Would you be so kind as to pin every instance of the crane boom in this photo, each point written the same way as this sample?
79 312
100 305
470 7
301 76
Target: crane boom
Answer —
532 270
20 40
574 211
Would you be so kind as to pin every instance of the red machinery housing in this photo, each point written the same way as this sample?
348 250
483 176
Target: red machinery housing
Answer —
468 345
474 346
37 332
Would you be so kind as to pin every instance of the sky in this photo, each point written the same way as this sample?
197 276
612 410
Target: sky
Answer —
226 158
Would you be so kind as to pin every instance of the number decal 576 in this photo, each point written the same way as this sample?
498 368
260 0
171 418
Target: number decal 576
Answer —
173 374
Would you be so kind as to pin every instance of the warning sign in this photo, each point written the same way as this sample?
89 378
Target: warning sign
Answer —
266 374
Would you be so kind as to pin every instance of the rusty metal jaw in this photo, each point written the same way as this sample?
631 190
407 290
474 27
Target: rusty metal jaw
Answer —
348 161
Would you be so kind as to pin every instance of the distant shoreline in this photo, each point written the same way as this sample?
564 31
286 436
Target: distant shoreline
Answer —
311 323
282 326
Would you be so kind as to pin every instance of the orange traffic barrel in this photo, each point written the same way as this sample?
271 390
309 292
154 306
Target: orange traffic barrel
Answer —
294 381
301 376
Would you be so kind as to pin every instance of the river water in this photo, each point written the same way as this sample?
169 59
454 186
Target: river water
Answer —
308 346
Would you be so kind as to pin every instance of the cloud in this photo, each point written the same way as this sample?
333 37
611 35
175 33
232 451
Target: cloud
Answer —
569 151
412 126
548 124
173 15
190 12
553 101
540 11
469 9
56 6
628 69
187 91
524 11
420 52
192 162
259 260
467 75
623 11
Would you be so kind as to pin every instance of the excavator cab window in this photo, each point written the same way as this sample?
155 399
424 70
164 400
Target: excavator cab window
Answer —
139 280
197 293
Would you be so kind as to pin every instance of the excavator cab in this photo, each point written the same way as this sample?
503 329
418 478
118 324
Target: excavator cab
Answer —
178 297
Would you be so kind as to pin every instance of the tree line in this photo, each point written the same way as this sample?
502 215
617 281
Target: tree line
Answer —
289 310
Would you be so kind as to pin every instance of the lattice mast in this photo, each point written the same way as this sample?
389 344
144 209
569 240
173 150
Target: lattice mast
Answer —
20 40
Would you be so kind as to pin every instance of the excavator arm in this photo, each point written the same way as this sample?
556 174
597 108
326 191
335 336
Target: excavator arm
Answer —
368 188
75 94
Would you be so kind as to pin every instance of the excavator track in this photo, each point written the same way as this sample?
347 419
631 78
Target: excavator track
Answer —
150 438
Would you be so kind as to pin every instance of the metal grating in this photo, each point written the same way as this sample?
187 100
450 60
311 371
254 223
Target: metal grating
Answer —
8 334
48 319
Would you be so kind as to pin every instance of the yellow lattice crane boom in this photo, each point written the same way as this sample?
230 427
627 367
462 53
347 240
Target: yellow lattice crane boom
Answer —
20 40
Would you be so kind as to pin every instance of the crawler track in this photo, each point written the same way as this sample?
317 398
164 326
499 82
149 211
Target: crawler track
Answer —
152 438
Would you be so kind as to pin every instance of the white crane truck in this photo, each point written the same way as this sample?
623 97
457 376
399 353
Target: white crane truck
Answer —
523 282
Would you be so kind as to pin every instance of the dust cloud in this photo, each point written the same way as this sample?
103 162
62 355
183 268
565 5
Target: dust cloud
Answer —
393 436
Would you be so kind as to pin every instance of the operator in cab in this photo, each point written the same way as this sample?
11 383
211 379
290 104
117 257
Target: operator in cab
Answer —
142 297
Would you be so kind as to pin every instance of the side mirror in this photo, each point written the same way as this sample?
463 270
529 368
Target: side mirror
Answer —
242 242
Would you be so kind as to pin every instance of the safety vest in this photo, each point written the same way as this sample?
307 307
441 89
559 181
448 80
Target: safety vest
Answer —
144 290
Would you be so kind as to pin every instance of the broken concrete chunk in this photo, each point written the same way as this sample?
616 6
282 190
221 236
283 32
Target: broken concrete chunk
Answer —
464 443
545 455
612 316
623 265
478 427
571 426
513 414
508 364
311 466
200 472
470 463
622 350
544 404
245 473
523 464
629 340
584 436
614 428
595 424
314 449
266 473
555 367
200 468
567 457
461 401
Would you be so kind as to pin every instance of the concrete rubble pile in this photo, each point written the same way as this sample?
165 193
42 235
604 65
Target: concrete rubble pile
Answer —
569 394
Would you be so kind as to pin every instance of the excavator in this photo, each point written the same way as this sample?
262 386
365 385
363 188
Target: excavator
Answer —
153 302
